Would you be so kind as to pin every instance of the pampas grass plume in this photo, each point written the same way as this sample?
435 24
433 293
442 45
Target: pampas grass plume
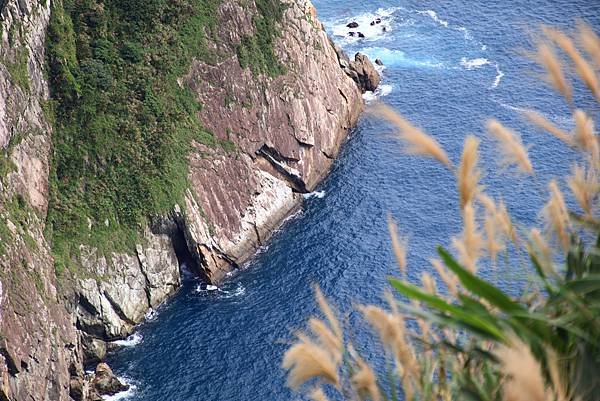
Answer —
418 142
468 173
513 150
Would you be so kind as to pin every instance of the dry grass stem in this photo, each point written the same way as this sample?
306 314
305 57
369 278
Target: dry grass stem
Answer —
556 215
493 244
525 379
547 59
329 313
327 338
447 278
317 394
306 360
585 187
539 246
470 243
429 283
365 382
543 123
584 136
391 330
468 173
399 245
583 68
590 42
418 142
513 150
505 223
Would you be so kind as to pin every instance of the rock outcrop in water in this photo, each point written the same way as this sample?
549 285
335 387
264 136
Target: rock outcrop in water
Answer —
285 132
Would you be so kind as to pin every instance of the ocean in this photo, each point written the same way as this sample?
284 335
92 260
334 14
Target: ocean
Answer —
449 66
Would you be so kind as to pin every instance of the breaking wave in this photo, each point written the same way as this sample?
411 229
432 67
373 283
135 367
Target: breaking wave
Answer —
381 91
124 395
315 194
130 341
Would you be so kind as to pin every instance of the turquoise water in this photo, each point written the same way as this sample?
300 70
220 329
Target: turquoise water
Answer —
448 67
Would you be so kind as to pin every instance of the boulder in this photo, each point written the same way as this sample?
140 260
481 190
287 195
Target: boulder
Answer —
352 24
368 78
378 61
105 382
361 35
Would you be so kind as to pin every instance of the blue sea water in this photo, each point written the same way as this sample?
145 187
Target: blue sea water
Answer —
449 66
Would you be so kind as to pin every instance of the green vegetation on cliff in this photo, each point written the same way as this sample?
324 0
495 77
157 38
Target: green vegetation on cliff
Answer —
124 125
123 122
257 51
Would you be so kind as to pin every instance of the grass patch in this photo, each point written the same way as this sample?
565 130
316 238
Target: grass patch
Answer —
257 51
18 70
123 124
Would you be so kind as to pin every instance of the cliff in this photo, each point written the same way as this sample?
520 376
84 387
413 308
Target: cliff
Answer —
99 209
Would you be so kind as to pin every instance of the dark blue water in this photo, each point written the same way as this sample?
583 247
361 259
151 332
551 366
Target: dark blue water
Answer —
449 67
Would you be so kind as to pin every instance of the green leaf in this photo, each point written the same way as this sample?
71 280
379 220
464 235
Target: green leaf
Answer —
460 315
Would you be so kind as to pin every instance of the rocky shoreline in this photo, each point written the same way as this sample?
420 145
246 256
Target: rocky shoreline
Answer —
284 132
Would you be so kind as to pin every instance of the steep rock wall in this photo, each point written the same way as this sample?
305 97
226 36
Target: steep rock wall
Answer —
39 346
284 130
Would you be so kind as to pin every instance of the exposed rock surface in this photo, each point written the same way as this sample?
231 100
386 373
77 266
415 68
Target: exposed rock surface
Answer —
105 382
39 346
286 130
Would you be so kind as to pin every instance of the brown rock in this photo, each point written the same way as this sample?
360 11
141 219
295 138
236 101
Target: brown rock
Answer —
368 77
105 382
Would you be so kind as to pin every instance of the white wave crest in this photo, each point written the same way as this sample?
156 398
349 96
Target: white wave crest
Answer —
123 395
203 287
382 91
130 341
474 63
391 57
315 194
370 32
433 15
499 75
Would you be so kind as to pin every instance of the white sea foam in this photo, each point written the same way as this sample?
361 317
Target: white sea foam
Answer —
151 315
315 194
124 395
382 91
238 291
433 15
392 57
203 287
370 32
499 75
474 63
130 341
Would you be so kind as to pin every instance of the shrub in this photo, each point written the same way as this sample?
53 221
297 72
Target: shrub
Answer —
471 339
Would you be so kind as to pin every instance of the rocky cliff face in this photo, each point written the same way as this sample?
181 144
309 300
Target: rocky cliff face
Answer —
39 346
285 131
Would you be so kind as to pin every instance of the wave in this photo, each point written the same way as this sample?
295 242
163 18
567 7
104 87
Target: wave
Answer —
130 341
124 395
499 75
433 15
221 292
204 287
474 63
371 32
315 194
391 57
382 91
